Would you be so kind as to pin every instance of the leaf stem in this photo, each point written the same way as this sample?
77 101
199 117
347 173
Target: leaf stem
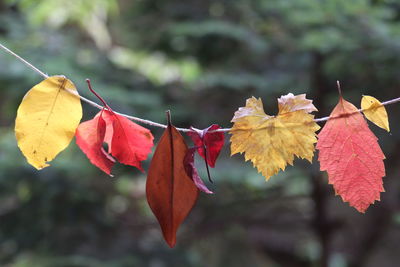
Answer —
168 114
339 88
97 95
205 161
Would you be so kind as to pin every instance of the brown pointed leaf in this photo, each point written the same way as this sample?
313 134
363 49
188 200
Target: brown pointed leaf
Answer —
170 192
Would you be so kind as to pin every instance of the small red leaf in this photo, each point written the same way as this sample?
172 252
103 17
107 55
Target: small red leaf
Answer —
128 142
351 155
170 192
192 171
209 141
89 137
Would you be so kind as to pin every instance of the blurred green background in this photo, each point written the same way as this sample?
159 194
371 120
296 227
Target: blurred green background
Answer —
201 59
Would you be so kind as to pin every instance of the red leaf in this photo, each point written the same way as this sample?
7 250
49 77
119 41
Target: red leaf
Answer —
127 141
170 192
89 137
192 171
351 155
210 141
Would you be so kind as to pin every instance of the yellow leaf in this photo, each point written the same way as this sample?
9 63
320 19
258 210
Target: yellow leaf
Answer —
271 142
375 111
47 119
290 102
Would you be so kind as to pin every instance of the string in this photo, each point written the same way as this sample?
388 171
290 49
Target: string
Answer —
149 122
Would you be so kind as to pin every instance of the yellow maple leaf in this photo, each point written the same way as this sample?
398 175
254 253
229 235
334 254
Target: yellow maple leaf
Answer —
375 112
271 142
47 119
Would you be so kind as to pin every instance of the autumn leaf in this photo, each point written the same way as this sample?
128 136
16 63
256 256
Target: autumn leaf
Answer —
170 192
127 141
351 155
192 171
90 137
47 119
375 112
271 142
208 142
290 103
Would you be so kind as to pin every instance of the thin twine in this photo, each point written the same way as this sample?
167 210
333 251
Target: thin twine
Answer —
144 121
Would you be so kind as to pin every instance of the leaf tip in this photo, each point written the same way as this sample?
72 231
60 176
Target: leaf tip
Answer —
171 243
38 165
266 177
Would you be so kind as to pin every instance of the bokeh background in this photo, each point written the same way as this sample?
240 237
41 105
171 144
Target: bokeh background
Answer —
201 59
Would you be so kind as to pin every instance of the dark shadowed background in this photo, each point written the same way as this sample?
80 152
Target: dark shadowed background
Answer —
201 59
